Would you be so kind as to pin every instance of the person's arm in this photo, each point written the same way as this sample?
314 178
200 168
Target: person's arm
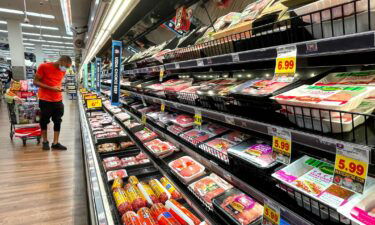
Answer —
38 77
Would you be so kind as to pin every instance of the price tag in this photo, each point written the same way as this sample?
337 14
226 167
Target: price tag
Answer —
94 103
286 63
235 58
281 144
177 65
162 107
200 62
198 118
161 75
90 96
271 213
144 119
351 167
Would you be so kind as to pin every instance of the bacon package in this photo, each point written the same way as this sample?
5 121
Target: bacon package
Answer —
162 215
131 218
146 217
182 214
135 196
161 193
187 168
240 207
362 78
170 188
122 201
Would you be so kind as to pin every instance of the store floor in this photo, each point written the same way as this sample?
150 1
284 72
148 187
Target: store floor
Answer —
42 187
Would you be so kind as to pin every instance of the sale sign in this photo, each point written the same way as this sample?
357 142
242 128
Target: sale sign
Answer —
286 63
94 103
281 144
198 118
351 167
271 213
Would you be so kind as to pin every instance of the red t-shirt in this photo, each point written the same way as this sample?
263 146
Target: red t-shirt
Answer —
51 76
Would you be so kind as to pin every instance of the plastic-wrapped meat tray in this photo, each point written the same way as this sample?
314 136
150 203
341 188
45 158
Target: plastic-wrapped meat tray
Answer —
177 130
183 120
207 131
187 168
160 148
146 135
361 78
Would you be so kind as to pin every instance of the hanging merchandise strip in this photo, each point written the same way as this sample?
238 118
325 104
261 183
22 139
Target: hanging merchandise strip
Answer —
286 63
351 167
281 144
116 72
98 63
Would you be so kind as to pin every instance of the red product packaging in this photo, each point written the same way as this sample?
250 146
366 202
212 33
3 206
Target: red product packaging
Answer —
145 216
182 214
162 194
148 193
170 188
135 197
122 201
162 216
131 218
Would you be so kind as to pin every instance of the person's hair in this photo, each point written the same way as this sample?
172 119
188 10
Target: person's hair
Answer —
65 58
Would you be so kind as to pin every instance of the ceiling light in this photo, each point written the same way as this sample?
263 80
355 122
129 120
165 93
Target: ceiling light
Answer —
39 27
19 12
3 31
30 48
65 8
3 22
30 44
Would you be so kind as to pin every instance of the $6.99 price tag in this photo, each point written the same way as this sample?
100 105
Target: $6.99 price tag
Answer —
285 65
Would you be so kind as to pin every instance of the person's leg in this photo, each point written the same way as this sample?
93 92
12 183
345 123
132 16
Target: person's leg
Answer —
57 119
45 115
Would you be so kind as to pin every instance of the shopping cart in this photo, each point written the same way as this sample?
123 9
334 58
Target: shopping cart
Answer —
24 118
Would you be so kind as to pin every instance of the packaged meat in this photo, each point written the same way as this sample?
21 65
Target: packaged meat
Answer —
187 168
182 214
362 78
209 187
113 164
196 136
117 183
183 120
122 201
216 129
343 98
236 136
129 161
141 156
239 207
258 87
146 135
108 147
146 217
161 193
135 197
160 148
217 147
122 116
148 193
255 151
176 129
162 215
111 175
126 144
112 158
133 180
170 188
131 218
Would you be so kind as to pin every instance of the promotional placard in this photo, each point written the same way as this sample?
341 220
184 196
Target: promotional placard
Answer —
351 167
94 103
286 63
281 144
90 96
116 72
98 63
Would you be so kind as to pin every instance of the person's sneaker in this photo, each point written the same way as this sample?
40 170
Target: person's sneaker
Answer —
45 146
58 146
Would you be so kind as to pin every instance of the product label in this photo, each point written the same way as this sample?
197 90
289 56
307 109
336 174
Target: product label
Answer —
162 107
119 197
144 119
241 203
116 72
161 75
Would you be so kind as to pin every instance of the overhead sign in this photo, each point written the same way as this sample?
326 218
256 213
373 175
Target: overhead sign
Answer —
116 72
98 73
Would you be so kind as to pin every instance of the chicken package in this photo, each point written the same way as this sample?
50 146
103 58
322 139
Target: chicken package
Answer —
161 193
162 215
146 217
113 164
148 193
170 188
135 196
131 218
182 214
160 148
122 201
209 187
240 207
111 175
128 161
187 168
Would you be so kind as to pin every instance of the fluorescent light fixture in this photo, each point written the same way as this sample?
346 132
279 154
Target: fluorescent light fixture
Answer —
30 48
3 22
19 12
3 31
46 35
29 44
39 27
57 46
66 11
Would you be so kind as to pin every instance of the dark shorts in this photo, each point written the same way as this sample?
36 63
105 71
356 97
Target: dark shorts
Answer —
48 110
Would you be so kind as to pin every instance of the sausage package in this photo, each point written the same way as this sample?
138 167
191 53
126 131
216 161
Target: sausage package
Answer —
122 201
162 216
170 188
148 193
182 214
136 198
162 194
131 218
145 216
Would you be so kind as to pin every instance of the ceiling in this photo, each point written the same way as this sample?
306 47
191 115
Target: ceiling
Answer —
80 12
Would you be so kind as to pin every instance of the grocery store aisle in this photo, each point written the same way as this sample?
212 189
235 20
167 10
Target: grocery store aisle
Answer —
39 187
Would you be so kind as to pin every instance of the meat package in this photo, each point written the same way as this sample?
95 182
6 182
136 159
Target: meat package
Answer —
183 120
112 163
187 168
122 201
343 98
160 148
108 147
170 188
258 87
176 129
360 78
182 214
207 131
239 207
111 175
131 218
135 196
146 217
162 215
141 158
255 151
146 135
209 187
122 116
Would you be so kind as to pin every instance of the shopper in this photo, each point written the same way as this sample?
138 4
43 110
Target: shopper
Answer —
49 78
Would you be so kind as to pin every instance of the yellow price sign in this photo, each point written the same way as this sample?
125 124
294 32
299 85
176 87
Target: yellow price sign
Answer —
162 107
83 90
161 75
271 215
198 119
94 103
285 65
144 119
351 166
90 96
281 145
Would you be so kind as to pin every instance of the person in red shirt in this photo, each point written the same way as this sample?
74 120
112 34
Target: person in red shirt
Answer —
49 78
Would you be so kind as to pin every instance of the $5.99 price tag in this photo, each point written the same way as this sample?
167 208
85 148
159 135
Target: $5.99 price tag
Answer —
351 167
94 103
198 118
281 144
271 214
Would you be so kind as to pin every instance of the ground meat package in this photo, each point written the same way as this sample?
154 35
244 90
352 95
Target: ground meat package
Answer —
187 168
183 120
108 147
146 135
112 163
160 148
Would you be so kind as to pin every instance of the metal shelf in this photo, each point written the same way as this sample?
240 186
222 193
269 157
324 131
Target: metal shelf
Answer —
353 43
303 138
